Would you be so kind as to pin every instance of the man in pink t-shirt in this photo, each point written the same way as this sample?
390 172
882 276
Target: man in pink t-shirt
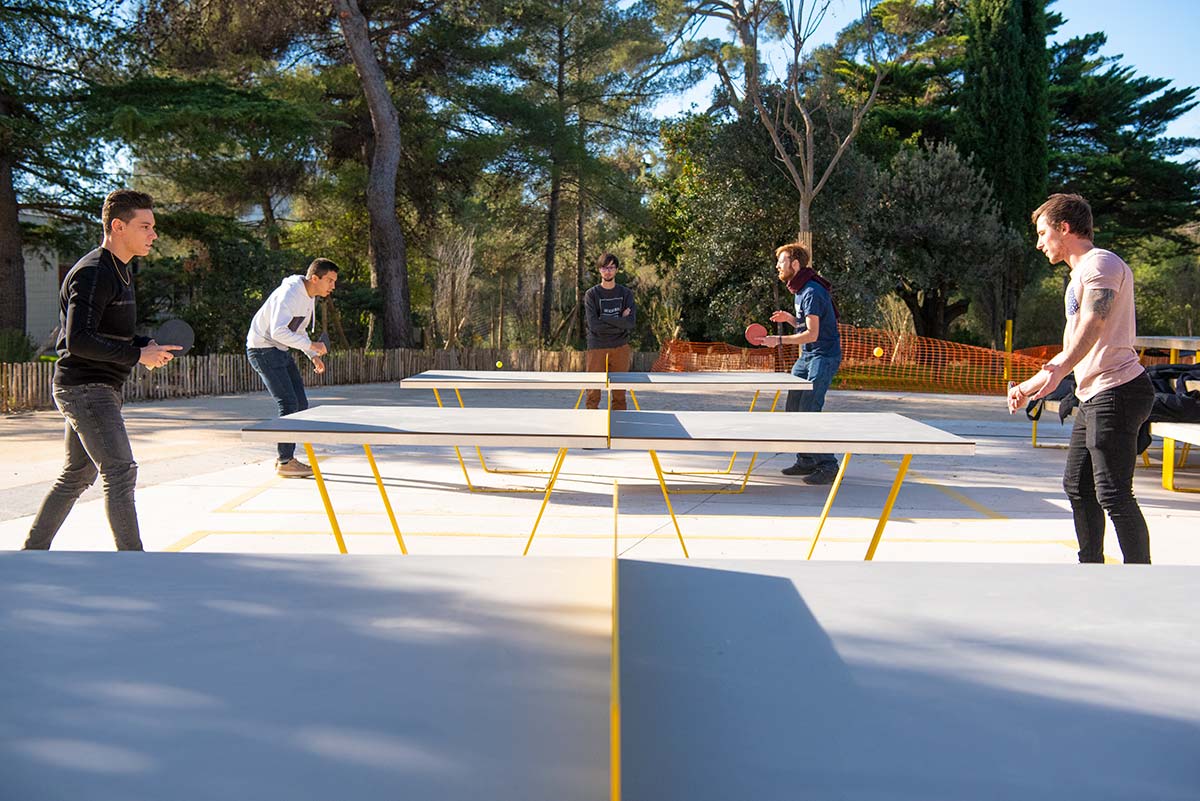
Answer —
1114 391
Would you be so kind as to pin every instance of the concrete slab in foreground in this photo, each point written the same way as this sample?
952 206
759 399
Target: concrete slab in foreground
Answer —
202 676
777 680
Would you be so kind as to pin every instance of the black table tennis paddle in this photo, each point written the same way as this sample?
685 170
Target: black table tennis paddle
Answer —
176 332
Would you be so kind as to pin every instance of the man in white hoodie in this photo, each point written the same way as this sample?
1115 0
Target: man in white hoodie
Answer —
280 324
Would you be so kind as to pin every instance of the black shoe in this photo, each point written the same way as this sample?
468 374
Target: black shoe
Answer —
820 476
798 469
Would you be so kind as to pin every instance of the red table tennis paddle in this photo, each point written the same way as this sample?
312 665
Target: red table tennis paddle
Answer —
756 333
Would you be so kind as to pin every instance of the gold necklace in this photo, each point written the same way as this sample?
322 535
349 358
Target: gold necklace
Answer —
118 269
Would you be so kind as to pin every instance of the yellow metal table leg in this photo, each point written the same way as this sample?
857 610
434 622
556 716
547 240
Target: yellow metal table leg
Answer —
483 462
667 497
558 463
387 504
1169 466
728 468
1168 457
887 507
833 490
633 397
471 487
333 523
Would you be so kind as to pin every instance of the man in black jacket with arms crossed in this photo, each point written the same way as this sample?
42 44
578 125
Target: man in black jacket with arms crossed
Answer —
611 316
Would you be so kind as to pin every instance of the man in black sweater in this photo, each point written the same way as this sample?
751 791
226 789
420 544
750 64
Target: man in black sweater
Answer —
97 350
611 316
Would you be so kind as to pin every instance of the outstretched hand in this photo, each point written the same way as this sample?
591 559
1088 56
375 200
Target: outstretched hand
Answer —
1039 386
784 317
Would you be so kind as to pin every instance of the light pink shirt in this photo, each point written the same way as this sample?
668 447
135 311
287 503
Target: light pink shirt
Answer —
1112 361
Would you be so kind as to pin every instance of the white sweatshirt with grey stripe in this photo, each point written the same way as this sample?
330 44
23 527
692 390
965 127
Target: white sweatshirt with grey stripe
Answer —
282 320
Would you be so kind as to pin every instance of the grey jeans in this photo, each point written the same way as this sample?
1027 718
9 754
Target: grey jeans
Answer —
96 444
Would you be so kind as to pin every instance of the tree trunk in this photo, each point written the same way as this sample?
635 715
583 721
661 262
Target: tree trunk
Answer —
551 247
12 261
500 315
580 257
580 210
556 170
804 234
390 263
932 312
270 223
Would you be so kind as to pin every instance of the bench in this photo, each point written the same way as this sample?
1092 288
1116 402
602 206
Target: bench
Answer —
1052 407
1187 433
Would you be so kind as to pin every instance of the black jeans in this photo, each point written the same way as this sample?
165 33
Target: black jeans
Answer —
279 372
1099 472
96 444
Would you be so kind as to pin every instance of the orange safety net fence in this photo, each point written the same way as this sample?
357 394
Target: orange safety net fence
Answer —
872 358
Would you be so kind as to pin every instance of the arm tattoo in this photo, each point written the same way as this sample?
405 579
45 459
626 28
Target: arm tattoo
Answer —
1100 301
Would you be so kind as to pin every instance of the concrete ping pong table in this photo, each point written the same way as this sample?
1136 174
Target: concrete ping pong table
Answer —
650 431
756 381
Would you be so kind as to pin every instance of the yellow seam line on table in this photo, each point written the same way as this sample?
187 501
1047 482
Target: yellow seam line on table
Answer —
614 705
954 494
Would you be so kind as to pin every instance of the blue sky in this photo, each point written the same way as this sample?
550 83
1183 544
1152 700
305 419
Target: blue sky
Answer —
1158 38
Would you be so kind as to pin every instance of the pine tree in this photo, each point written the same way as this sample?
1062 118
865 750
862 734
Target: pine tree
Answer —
1004 122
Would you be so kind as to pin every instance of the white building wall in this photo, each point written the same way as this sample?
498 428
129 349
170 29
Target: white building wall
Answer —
41 293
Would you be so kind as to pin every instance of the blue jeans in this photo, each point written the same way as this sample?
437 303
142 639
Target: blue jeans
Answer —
279 372
96 444
820 370
1099 473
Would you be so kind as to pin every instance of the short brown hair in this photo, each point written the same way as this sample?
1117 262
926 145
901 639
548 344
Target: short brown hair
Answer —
607 259
795 251
319 268
1070 209
121 204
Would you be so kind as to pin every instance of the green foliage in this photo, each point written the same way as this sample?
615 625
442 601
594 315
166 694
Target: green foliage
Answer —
1004 112
942 235
1004 122
721 208
1167 288
216 278
1108 145
15 346
1040 317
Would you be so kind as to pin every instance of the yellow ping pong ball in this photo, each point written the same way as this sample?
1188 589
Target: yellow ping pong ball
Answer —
878 352
499 364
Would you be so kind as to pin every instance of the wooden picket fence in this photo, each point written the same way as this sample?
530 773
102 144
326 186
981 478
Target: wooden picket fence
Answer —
26 386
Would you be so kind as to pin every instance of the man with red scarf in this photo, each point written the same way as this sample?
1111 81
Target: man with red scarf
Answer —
815 321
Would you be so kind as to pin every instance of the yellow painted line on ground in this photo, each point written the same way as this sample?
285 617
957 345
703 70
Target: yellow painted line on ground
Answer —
949 493
196 536
232 505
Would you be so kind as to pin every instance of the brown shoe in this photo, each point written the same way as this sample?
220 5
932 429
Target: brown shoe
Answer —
293 468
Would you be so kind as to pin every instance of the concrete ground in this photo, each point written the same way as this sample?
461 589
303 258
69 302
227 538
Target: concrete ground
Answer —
202 490
464 671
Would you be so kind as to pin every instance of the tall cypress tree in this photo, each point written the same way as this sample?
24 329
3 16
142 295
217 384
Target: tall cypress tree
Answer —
1005 122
